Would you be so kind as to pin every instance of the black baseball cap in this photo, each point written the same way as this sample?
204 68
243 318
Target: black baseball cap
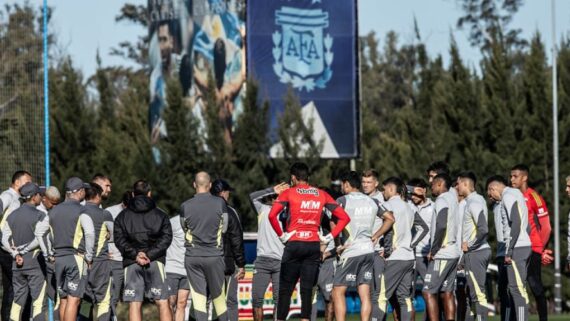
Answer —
74 184
30 189
220 185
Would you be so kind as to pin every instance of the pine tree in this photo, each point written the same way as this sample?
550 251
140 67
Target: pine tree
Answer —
71 125
251 150
182 150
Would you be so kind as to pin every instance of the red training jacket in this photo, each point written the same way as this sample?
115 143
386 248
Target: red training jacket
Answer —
538 220
305 205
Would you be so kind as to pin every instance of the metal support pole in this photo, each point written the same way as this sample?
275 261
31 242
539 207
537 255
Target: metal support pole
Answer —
46 117
557 281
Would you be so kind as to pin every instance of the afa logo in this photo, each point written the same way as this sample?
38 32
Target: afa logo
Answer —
302 53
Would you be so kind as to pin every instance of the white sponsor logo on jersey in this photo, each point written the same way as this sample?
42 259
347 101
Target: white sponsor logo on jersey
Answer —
155 291
306 222
310 205
368 275
308 191
304 234
351 277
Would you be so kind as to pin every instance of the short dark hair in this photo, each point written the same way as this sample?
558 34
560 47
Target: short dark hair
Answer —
300 170
353 178
371 173
100 176
445 178
19 174
521 167
93 191
127 195
400 187
439 167
418 182
468 175
496 178
141 187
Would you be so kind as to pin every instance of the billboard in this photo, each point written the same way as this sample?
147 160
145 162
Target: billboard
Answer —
309 46
191 40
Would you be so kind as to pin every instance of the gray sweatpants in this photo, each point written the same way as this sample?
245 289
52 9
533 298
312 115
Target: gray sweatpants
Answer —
516 275
396 279
206 276
118 275
379 264
265 270
476 264
29 282
99 285
324 284
232 297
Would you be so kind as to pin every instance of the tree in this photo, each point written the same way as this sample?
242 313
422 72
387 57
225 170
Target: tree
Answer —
71 130
21 95
182 150
250 151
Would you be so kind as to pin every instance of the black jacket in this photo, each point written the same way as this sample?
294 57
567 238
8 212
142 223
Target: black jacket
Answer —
233 243
142 227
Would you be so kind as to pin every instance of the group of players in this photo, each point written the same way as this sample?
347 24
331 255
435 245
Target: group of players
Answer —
381 243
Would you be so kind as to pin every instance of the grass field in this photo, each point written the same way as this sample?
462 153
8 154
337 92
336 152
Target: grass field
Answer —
150 314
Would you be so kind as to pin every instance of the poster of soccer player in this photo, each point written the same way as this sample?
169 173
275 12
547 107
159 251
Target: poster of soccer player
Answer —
192 40
309 46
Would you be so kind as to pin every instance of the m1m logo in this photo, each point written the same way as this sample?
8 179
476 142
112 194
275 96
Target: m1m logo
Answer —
310 205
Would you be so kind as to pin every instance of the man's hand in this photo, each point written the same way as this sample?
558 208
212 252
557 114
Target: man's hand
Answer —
280 187
142 259
429 257
326 239
19 260
508 260
547 257
464 247
284 238
240 274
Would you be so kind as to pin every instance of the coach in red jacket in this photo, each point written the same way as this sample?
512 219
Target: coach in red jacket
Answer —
304 206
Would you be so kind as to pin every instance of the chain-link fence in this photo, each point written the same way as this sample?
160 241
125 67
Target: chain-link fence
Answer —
21 93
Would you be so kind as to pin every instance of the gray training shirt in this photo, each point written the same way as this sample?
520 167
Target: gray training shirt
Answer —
72 230
9 202
378 220
114 252
402 229
444 227
426 213
514 219
175 253
268 243
362 211
475 222
103 226
501 245
204 218
21 232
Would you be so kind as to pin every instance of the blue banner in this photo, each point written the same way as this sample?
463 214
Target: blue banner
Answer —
311 47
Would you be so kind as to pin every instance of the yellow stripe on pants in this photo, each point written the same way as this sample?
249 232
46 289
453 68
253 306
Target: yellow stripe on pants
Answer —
520 283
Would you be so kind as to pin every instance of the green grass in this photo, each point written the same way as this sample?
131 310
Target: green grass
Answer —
419 316
150 313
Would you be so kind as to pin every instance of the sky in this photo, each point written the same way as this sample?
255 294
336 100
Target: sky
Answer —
84 27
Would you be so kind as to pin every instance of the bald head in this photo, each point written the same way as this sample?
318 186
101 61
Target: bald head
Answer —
51 197
202 182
